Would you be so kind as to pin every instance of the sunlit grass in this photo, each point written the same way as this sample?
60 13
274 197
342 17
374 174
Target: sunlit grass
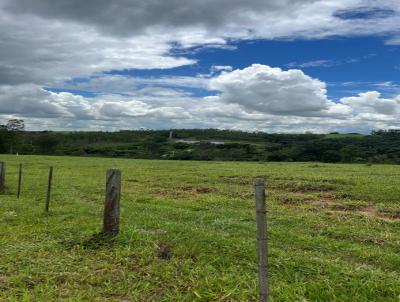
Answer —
334 232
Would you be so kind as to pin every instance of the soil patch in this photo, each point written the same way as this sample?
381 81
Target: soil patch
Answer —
164 252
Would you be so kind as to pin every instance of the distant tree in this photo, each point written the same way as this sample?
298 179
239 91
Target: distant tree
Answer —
3 138
15 125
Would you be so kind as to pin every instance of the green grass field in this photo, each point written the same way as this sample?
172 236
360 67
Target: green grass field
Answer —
188 232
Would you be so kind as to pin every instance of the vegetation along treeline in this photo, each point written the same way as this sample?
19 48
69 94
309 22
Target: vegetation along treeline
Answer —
381 146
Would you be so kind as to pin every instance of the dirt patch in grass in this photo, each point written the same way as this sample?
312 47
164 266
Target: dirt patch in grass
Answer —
31 282
164 251
286 200
297 179
373 212
347 207
342 195
328 201
62 277
369 211
301 188
290 200
307 198
319 203
313 188
199 190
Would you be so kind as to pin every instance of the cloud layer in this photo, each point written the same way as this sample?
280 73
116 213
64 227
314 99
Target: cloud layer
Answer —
48 43
45 40
258 97
223 18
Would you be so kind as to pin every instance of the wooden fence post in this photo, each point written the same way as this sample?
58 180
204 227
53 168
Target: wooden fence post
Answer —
49 189
262 239
2 176
19 180
112 203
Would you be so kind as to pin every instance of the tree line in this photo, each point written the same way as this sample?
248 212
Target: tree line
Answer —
381 146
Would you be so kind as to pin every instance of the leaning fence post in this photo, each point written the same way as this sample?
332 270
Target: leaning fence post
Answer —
112 203
262 239
49 189
19 180
2 176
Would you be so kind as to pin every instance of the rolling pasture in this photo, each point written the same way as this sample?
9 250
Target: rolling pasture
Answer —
188 231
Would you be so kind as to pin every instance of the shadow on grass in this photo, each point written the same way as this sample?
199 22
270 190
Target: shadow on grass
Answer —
94 242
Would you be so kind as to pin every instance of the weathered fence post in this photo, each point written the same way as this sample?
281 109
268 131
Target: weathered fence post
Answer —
19 180
49 189
262 239
2 177
112 202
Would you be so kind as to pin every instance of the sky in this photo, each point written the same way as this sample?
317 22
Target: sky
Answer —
287 66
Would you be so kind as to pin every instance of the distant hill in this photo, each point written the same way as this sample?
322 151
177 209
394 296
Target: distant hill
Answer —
209 144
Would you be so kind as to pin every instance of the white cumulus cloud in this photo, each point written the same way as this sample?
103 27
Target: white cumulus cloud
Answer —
371 102
258 97
275 91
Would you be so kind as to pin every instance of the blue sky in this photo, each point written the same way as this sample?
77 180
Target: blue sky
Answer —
347 65
270 65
